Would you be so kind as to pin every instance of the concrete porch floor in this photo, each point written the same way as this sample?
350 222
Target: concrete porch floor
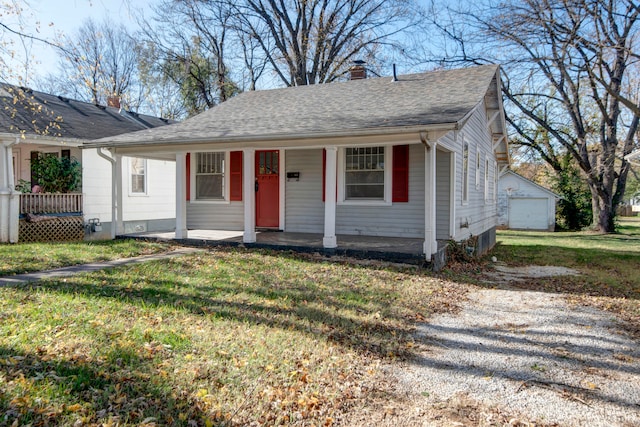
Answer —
393 249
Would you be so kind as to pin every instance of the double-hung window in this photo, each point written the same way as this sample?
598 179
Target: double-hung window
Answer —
138 168
209 176
364 174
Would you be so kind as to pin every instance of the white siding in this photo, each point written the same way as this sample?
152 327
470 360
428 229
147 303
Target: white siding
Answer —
397 220
304 209
512 186
157 203
443 194
477 215
96 186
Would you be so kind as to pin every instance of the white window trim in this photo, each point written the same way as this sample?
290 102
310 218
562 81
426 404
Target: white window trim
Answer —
388 166
146 174
486 178
495 182
464 193
478 166
227 179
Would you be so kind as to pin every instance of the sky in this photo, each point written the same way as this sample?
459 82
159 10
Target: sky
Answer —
48 19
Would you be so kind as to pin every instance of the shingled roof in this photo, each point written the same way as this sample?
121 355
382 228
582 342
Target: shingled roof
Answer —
341 108
31 112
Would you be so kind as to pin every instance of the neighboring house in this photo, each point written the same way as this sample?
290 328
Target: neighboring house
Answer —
33 122
634 158
416 157
525 205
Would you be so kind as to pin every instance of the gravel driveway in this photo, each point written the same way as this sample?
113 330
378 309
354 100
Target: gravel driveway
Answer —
530 355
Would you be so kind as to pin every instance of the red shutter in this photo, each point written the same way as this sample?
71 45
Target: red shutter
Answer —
400 176
235 171
188 168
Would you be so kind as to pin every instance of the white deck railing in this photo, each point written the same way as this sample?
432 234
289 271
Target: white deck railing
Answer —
50 203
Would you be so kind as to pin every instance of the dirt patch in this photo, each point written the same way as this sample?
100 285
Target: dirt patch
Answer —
506 274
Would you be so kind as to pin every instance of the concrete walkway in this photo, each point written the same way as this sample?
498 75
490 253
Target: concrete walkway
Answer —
88 268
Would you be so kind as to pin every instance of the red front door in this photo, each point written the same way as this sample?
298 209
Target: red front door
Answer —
267 189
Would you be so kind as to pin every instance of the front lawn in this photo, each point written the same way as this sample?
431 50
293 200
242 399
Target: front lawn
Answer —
28 257
227 337
235 337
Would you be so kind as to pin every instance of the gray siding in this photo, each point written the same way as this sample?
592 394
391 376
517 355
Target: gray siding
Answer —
397 220
304 209
443 194
477 215
209 216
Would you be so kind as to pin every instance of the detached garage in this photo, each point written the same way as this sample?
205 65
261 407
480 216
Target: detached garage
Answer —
525 205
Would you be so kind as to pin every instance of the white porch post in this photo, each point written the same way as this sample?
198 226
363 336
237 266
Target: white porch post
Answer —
118 220
9 198
430 245
114 191
330 241
181 196
249 194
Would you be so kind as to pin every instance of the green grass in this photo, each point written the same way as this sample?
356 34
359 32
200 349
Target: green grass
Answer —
608 264
228 337
235 337
28 257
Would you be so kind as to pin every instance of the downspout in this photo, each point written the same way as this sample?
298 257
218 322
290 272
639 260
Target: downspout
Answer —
114 193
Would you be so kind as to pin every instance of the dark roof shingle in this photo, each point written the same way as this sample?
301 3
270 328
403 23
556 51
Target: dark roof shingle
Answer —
39 113
432 98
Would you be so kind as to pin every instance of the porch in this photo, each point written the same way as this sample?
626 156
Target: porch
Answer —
393 249
49 217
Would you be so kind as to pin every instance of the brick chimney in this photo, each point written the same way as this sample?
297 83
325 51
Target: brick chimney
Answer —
113 101
357 70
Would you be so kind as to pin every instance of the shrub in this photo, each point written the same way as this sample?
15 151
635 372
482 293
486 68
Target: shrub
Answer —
56 175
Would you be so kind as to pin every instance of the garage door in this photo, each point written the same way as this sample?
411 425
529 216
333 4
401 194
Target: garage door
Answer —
529 214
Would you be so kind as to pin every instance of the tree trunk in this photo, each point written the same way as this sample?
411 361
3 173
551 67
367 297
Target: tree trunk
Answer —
604 212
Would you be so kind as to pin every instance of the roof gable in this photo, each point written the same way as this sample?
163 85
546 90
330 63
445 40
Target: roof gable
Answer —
434 98
529 182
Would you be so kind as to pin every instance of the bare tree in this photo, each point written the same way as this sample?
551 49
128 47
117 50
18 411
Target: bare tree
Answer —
104 58
18 34
568 64
189 38
313 41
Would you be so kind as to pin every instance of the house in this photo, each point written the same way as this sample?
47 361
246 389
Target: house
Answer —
415 156
634 201
525 205
33 123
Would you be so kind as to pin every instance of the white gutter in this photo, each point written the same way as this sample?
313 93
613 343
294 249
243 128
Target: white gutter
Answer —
36 137
274 137
113 191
